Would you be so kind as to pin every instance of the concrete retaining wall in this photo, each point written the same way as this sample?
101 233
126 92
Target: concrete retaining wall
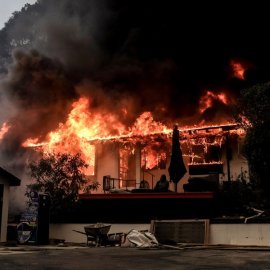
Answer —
219 234
240 234
65 231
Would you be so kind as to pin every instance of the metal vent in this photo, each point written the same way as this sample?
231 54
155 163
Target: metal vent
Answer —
181 231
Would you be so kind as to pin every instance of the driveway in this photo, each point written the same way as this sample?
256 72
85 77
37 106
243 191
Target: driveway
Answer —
104 258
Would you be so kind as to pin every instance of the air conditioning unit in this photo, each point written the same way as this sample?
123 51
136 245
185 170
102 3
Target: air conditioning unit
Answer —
181 231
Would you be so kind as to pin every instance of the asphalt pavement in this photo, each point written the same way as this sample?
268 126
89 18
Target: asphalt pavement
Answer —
103 258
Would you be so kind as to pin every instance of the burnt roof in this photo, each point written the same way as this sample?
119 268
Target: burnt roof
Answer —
12 179
190 132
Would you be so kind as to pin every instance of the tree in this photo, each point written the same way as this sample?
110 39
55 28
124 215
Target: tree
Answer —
254 114
61 177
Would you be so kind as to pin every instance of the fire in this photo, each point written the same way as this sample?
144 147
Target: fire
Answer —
83 126
208 99
145 125
238 70
73 135
3 130
153 156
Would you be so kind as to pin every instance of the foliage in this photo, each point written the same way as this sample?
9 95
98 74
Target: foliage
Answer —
60 176
236 198
254 106
94 185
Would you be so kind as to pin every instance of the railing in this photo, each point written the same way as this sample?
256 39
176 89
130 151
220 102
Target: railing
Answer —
110 183
117 183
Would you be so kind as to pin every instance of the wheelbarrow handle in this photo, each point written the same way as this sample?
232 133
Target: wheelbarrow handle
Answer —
79 232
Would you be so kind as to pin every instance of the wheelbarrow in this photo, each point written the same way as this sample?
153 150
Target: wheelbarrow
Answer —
98 234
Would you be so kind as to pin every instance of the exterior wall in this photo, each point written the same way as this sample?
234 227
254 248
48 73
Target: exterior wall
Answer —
107 162
238 163
240 234
4 218
219 234
238 167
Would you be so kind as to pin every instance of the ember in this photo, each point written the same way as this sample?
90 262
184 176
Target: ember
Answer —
3 130
238 70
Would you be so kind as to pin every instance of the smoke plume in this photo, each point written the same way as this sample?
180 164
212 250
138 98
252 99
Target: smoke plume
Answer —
138 55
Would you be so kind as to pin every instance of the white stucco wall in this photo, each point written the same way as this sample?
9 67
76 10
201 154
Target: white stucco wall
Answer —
107 162
238 163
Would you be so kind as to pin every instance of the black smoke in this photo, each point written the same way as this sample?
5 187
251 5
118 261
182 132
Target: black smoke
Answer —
157 56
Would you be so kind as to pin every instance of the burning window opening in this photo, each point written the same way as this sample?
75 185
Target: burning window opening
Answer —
126 166
154 155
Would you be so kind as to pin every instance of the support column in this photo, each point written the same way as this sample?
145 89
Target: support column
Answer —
107 161
138 164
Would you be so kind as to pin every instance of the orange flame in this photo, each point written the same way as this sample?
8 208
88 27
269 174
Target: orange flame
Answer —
73 135
83 126
145 125
238 70
3 130
208 99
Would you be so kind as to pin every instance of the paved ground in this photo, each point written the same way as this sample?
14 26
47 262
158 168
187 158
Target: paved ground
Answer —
103 258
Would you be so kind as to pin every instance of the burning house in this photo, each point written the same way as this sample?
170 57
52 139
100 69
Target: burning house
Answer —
120 161
108 80
212 154
124 149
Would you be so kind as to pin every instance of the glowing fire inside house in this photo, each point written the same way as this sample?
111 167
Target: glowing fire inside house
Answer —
84 129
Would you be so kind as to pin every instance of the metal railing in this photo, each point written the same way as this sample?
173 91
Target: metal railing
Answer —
110 183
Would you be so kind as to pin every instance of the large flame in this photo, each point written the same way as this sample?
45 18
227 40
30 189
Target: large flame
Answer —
207 100
73 135
84 127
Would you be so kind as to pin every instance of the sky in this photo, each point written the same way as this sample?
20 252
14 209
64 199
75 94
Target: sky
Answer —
9 6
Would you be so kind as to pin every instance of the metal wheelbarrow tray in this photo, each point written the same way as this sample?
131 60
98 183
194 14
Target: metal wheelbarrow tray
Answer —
99 235
97 229
97 232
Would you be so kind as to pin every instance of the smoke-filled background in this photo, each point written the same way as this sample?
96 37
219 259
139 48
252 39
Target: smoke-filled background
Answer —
158 56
